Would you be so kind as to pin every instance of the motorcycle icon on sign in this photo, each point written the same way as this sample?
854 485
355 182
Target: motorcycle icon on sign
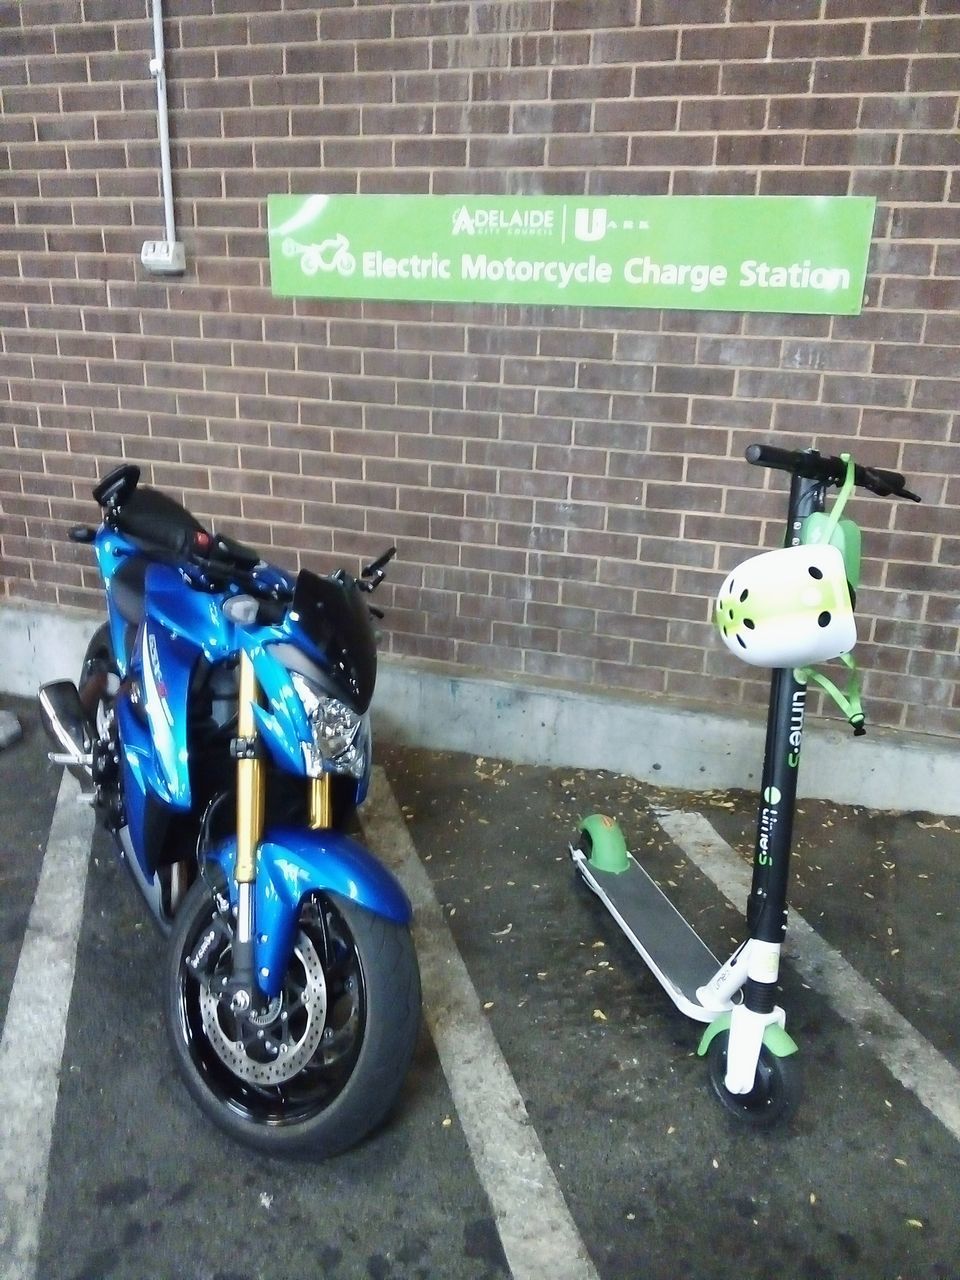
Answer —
330 255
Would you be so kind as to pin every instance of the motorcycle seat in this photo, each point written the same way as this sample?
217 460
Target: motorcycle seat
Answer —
128 589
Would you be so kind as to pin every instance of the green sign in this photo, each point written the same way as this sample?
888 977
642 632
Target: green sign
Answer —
711 253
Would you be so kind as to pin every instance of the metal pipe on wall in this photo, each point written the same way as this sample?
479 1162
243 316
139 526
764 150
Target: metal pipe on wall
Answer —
164 257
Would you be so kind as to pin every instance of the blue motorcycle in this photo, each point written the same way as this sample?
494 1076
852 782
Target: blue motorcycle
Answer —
222 713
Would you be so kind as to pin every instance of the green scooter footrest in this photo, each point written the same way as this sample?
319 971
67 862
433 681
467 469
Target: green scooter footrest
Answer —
608 850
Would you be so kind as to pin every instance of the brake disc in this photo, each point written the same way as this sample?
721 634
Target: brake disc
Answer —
270 1051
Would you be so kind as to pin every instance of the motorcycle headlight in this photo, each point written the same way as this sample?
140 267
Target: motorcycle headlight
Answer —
337 741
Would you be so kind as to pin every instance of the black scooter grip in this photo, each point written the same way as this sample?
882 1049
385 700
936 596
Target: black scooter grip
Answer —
891 481
810 464
768 455
829 470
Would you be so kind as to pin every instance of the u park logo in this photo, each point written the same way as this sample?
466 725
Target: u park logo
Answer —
587 224
725 253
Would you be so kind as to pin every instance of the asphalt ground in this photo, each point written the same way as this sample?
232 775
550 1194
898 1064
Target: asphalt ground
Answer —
863 1182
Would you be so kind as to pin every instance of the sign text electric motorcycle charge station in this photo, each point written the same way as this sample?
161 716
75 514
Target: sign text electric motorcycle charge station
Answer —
790 254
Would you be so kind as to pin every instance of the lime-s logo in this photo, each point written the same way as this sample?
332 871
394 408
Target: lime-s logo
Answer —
769 817
795 736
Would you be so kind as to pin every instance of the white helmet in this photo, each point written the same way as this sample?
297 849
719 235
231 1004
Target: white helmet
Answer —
787 608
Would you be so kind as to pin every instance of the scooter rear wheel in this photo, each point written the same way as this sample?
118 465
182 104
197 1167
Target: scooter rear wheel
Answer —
775 1093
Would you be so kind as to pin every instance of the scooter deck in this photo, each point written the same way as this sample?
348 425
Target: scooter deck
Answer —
674 952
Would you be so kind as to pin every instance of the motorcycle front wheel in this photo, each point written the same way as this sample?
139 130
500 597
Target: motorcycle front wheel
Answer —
319 1067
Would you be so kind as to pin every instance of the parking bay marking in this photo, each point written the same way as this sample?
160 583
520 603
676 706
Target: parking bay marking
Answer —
31 1048
906 1054
536 1230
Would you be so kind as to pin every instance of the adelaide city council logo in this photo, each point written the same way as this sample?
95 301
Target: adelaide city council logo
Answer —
515 222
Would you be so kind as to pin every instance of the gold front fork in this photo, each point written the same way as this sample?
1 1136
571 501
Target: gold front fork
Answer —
321 803
251 802
251 787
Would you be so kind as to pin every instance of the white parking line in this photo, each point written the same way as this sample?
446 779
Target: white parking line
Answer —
537 1232
33 1034
905 1053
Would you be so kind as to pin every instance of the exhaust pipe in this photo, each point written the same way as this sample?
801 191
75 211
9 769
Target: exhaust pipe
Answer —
68 726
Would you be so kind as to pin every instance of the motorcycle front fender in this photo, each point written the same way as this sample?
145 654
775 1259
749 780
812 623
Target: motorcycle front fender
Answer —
293 862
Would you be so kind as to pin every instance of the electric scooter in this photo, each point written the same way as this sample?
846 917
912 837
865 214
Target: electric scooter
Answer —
751 1058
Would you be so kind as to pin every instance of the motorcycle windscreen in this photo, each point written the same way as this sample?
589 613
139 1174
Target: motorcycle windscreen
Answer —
332 615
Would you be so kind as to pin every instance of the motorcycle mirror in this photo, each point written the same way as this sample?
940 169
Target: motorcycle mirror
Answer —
373 574
379 564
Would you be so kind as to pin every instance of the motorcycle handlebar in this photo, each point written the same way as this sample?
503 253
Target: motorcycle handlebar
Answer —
829 470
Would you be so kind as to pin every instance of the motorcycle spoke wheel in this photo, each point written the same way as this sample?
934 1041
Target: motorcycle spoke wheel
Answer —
271 1067
323 1061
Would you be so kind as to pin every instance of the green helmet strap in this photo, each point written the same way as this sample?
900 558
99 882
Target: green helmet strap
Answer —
828 529
848 700
819 528
841 499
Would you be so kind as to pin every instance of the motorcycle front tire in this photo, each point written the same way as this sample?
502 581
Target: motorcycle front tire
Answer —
347 1019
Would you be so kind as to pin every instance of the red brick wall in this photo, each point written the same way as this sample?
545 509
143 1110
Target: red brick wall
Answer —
566 486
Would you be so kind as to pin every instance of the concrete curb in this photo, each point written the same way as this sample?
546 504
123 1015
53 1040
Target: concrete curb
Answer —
658 741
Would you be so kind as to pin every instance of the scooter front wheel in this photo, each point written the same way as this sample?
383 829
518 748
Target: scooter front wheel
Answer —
775 1092
322 1063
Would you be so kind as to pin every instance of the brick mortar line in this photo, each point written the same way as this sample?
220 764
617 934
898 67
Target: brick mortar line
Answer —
577 364
745 170
356 44
820 432
306 107
883 310
532 414
897 310
253 77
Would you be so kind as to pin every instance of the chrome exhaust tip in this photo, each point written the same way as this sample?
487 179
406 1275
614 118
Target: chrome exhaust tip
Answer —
68 726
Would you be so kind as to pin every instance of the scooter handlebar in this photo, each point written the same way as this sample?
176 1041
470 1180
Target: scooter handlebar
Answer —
829 470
